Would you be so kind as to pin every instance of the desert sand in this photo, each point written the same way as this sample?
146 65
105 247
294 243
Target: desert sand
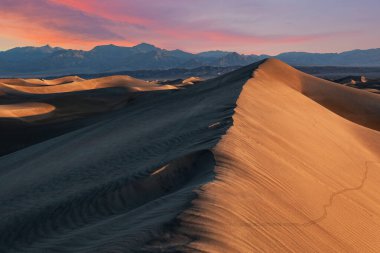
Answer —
263 159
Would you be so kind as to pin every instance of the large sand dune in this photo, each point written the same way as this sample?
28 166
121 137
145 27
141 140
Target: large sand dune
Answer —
291 175
263 159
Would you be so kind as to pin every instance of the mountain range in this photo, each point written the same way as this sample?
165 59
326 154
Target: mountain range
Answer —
47 60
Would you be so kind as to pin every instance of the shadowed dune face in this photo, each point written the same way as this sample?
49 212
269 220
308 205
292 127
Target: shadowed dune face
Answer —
102 188
263 159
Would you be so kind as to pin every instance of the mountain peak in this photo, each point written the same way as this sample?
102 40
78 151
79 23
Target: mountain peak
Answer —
233 54
105 46
34 50
49 49
145 47
47 46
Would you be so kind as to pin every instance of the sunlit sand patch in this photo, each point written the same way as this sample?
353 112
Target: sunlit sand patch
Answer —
25 110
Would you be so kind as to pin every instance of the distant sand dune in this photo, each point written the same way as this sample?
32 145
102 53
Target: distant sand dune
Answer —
263 159
83 85
74 97
41 82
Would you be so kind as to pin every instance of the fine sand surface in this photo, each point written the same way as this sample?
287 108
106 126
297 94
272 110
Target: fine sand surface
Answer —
263 159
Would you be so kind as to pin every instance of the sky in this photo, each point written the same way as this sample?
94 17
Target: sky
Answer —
245 26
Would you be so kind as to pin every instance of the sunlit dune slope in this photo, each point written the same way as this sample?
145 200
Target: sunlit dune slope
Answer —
24 110
291 176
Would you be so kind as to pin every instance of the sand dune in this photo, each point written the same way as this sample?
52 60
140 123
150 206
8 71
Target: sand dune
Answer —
263 159
291 176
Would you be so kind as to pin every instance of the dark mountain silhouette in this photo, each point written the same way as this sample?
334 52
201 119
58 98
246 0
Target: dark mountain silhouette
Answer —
47 60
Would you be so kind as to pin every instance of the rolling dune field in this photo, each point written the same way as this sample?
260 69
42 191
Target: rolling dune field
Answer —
262 159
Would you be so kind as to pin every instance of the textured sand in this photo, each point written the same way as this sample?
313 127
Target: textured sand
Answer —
263 159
